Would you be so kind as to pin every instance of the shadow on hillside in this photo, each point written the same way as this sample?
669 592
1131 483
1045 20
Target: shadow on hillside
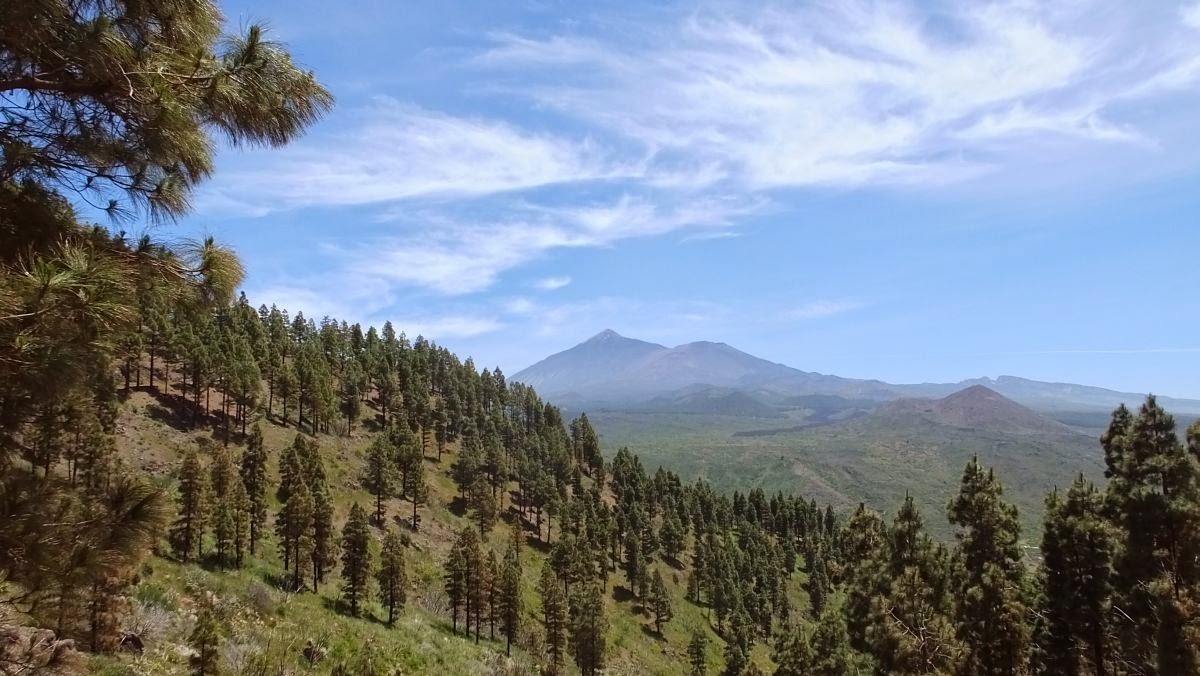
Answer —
622 594
648 630
372 424
537 544
281 580
170 416
176 411
338 606
216 564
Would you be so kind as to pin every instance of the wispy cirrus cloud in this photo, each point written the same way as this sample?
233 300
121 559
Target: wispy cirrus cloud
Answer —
462 255
819 309
838 94
390 151
691 122
552 283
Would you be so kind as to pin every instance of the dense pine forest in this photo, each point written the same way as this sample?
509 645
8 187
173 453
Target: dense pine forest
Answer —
190 483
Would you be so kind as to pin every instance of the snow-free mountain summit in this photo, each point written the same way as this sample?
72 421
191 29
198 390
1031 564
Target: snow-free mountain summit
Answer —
609 369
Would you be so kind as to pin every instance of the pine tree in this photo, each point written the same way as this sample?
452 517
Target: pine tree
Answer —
456 585
465 577
391 575
671 536
510 595
660 602
223 526
1153 499
254 479
990 614
586 445
793 656
291 468
589 628
484 508
491 591
862 545
187 535
287 386
554 614
224 518
1077 555
693 587
293 528
413 481
205 642
356 557
698 654
144 142
379 478
910 630
324 555
818 585
241 522
635 564
735 659
353 386
830 645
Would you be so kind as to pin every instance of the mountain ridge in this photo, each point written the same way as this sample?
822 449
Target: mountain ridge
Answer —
610 369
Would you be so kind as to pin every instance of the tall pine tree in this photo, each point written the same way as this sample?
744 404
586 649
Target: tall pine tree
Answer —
988 582
391 575
356 557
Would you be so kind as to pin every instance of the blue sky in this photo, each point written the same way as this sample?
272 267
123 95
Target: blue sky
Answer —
906 191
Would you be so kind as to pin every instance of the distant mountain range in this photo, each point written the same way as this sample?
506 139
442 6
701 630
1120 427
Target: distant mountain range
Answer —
612 370
709 410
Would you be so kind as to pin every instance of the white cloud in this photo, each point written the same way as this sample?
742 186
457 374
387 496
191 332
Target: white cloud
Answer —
452 326
689 125
520 306
819 309
552 283
461 257
1191 16
846 94
1018 120
391 151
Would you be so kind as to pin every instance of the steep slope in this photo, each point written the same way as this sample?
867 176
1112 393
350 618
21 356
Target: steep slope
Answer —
272 626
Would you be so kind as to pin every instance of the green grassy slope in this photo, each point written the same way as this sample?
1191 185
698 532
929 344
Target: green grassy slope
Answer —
265 620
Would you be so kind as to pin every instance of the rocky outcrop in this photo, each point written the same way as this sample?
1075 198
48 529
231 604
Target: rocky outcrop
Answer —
29 650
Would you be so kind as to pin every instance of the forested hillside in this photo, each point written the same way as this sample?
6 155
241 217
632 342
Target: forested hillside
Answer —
190 484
